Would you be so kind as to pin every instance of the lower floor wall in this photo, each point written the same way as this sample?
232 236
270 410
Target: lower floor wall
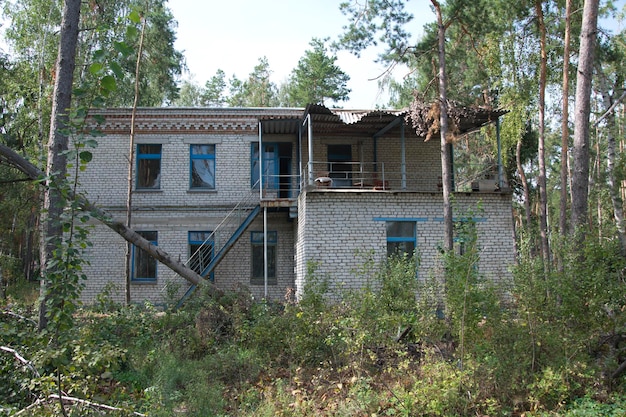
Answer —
106 269
339 233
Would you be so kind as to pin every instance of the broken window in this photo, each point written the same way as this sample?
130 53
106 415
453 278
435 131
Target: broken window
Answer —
144 268
202 167
201 251
401 238
149 166
258 258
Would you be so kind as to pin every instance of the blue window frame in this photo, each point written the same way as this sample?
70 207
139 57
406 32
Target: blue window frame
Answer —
270 165
202 167
258 258
144 267
148 166
401 237
203 255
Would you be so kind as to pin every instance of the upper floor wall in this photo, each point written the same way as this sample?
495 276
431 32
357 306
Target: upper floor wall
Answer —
190 157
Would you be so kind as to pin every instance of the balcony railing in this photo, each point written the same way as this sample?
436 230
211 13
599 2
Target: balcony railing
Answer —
377 176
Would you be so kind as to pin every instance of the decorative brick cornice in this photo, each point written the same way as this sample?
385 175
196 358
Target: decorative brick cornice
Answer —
170 120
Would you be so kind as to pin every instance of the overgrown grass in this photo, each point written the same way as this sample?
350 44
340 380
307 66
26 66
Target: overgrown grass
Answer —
398 346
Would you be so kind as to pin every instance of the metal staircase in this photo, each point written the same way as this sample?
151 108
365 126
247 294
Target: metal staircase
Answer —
211 252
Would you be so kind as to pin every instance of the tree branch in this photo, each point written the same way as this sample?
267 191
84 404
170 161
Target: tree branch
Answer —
610 109
56 397
20 359
9 156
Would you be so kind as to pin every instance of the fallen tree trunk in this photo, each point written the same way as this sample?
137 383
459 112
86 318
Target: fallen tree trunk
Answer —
14 159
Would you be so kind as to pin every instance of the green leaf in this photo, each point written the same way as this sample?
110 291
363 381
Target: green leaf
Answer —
134 17
99 55
122 48
108 84
117 69
131 32
96 68
86 156
92 143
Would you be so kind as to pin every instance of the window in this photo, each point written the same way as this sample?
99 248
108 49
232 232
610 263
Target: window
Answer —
144 268
202 167
339 164
148 166
270 166
256 239
201 255
401 237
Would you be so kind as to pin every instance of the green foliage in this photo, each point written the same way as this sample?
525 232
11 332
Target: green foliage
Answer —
542 346
256 91
317 78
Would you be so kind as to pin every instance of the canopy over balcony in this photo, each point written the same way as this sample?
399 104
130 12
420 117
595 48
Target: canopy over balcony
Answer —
380 128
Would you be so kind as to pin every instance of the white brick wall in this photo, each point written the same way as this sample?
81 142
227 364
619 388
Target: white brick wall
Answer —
333 228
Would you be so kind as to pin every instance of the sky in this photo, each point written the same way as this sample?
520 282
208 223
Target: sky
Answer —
233 34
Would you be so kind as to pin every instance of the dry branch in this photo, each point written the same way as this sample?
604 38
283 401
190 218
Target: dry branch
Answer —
20 359
424 118
65 398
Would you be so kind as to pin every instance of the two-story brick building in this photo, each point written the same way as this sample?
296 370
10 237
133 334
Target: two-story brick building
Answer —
325 186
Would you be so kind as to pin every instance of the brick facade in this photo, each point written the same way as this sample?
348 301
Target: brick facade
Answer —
326 226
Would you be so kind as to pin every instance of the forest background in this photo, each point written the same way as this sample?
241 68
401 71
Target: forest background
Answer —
554 346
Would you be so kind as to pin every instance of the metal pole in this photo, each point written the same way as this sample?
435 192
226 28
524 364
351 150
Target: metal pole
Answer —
299 178
260 161
310 138
265 268
403 156
500 173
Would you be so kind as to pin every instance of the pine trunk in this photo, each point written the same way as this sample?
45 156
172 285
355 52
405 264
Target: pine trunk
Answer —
56 168
541 180
564 122
446 157
580 172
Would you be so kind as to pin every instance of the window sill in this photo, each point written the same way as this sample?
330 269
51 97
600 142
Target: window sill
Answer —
148 190
202 190
256 281
143 282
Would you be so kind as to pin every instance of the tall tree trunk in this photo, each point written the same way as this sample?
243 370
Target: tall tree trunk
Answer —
580 174
524 181
446 157
131 158
614 187
56 168
565 121
541 180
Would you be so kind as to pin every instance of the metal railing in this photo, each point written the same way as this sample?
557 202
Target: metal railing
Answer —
219 237
381 176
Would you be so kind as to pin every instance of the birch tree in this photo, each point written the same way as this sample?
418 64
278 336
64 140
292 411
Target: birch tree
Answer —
541 180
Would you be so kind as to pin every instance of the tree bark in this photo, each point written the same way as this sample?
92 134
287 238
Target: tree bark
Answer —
16 160
580 151
524 181
131 158
446 157
57 144
614 189
541 180
565 121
